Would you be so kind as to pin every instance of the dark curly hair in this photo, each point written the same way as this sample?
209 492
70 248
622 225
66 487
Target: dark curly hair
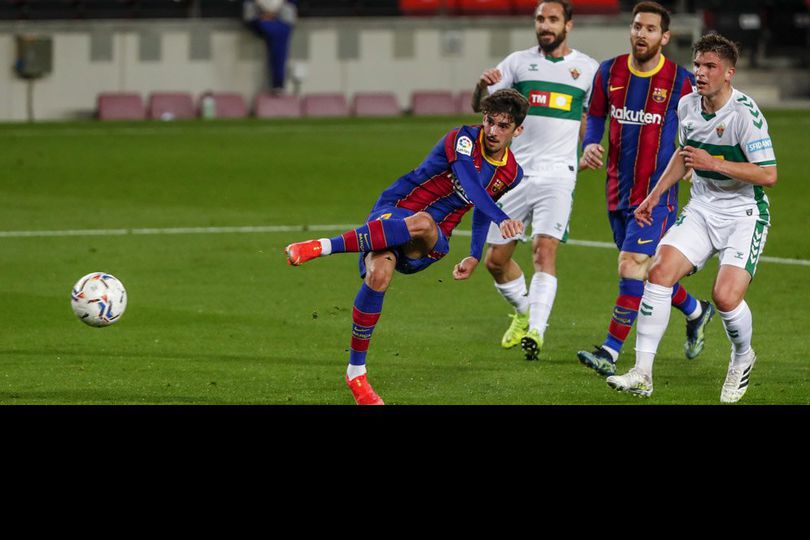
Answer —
506 101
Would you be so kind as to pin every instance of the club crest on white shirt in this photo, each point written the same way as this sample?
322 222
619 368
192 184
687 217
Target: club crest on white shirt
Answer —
464 146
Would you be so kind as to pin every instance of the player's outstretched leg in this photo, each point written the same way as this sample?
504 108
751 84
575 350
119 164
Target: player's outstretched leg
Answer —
375 235
698 314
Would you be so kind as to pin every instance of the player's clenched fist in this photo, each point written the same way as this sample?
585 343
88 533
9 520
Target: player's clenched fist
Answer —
511 228
465 268
490 77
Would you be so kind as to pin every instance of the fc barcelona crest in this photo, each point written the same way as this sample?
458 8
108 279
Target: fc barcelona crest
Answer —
497 186
659 95
575 73
720 130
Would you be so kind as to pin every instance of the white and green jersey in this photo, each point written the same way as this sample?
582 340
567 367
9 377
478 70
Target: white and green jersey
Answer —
557 89
737 132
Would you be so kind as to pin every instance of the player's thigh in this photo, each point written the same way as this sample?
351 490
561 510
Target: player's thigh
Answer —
634 265
692 236
730 287
424 235
516 205
551 210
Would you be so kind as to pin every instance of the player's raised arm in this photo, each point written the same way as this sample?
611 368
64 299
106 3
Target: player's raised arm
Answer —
488 78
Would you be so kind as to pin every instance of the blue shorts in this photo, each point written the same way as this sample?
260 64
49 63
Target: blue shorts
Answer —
631 237
406 265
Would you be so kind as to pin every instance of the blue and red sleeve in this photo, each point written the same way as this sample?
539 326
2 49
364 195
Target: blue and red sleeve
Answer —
598 106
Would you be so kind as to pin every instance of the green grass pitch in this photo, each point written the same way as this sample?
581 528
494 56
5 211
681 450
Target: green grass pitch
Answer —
219 318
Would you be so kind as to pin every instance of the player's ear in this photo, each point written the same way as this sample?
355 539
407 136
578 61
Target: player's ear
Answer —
665 37
518 130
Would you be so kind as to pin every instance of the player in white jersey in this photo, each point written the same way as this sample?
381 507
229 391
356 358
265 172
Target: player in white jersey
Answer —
557 82
725 140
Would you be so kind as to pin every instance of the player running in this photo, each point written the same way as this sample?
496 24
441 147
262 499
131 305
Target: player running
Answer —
556 80
410 225
640 92
725 140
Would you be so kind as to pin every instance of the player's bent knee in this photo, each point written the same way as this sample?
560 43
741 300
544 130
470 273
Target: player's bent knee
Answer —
661 275
420 225
378 278
726 298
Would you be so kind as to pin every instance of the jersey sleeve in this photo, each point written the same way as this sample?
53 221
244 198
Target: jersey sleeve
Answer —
507 74
597 107
480 228
753 135
682 134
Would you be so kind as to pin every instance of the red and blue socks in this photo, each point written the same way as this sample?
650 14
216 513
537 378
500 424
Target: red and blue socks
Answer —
365 314
373 236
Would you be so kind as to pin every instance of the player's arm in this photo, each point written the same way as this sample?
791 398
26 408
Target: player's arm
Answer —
700 159
467 175
676 169
592 150
480 227
488 78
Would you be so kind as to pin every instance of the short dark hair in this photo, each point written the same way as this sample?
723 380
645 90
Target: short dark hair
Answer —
722 46
506 101
568 9
653 7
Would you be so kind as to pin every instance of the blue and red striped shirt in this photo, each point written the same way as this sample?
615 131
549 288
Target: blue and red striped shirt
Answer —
643 108
455 176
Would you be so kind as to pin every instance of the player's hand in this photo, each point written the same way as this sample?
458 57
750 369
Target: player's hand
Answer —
643 213
465 268
511 228
697 158
688 175
592 156
490 77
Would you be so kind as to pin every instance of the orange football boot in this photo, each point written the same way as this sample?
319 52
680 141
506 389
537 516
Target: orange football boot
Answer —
301 252
363 393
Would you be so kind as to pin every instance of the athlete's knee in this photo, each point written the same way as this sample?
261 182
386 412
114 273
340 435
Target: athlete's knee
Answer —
634 268
420 224
726 297
378 275
662 274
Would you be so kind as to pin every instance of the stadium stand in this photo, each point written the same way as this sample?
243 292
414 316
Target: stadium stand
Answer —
120 106
375 104
170 106
270 106
325 104
485 7
228 105
463 102
433 102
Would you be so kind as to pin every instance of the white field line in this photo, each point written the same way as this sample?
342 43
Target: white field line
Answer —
278 229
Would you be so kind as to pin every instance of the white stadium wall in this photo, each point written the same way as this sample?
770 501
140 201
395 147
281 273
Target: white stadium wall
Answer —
337 55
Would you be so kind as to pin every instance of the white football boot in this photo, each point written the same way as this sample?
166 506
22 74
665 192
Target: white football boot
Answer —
736 382
634 381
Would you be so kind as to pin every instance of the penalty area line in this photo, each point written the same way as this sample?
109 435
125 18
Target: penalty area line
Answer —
278 229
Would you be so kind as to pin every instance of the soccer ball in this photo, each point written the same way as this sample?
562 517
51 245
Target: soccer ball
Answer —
98 299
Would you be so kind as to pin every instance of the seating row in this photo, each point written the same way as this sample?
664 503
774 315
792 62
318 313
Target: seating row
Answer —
180 105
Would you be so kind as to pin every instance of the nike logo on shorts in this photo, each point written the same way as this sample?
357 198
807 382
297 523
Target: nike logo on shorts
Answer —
640 241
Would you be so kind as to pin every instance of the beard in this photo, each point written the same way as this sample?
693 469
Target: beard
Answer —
652 50
547 48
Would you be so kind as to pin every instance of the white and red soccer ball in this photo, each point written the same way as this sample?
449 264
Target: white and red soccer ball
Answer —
98 299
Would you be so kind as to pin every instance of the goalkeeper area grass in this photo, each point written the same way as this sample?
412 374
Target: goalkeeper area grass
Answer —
193 218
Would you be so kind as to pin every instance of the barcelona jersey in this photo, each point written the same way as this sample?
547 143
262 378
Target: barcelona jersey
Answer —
643 111
456 176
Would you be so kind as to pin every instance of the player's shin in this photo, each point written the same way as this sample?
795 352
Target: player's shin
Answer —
739 326
373 236
365 314
653 318
542 292
624 314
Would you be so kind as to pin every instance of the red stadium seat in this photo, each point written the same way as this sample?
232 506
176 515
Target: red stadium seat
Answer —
527 7
270 106
170 106
375 104
327 104
120 106
228 105
485 7
427 7
463 102
433 102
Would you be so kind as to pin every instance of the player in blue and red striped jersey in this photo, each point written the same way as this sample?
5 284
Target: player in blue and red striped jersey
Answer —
640 93
410 225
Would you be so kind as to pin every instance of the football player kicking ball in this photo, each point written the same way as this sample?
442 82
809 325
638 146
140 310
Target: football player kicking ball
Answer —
724 138
410 225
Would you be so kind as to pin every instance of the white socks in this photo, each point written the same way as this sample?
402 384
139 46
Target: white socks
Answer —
542 292
355 371
515 293
653 318
326 247
739 326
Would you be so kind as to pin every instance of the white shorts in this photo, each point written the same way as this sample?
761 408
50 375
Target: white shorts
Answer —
545 201
699 233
